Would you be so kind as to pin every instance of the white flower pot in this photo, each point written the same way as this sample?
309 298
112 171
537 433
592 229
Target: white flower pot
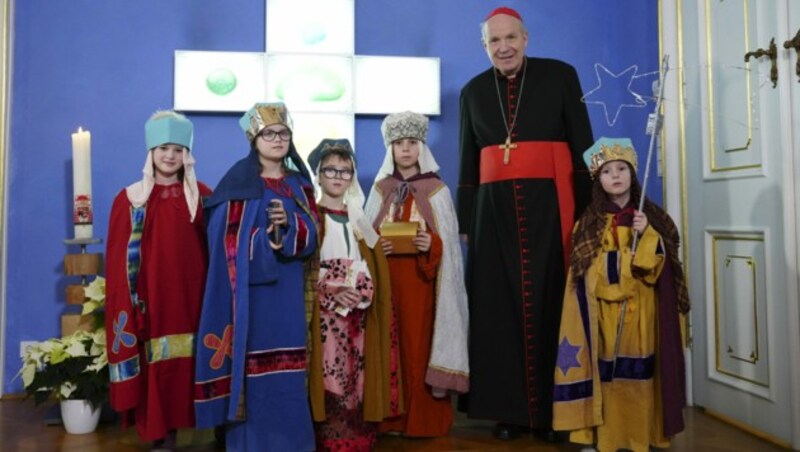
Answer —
79 417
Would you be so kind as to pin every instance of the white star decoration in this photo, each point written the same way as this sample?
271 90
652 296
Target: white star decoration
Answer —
616 93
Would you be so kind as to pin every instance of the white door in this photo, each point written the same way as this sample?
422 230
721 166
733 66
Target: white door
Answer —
739 208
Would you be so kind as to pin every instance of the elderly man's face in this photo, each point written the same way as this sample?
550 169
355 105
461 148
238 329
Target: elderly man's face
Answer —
505 42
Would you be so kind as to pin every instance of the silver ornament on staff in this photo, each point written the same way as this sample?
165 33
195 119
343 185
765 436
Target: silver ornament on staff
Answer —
654 121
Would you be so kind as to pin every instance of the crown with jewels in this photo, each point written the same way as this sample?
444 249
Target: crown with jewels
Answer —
404 125
606 150
262 115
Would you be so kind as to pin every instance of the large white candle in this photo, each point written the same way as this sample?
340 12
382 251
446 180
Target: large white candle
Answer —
82 184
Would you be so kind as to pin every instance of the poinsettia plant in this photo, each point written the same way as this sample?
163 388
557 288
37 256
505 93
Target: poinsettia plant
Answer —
95 302
74 366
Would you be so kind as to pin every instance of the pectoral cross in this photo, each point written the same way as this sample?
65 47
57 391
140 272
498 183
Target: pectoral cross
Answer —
507 147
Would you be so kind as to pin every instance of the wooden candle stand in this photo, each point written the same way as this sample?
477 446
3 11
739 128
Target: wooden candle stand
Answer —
83 264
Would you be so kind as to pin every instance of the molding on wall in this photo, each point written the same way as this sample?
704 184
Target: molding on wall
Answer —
6 34
789 108
673 143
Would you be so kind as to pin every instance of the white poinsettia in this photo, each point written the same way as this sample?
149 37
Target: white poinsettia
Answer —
47 346
95 296
75 348
99 351
67 389
34 359
74 366
96 290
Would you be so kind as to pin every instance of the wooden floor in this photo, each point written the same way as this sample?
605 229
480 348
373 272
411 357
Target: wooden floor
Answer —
22 430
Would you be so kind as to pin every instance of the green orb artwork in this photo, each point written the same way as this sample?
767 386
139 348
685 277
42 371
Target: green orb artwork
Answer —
221 81
311 83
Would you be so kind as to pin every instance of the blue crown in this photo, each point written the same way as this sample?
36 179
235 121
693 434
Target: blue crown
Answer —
168 127
605 150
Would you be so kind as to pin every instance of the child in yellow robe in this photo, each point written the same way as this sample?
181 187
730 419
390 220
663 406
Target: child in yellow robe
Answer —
619 376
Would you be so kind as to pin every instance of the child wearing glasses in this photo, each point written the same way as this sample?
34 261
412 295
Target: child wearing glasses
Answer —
251 358
156 269
351 351
427 278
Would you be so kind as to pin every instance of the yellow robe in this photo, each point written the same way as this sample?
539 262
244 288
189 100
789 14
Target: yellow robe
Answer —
623 411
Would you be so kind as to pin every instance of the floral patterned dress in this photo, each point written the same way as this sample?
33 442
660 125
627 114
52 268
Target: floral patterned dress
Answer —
343 334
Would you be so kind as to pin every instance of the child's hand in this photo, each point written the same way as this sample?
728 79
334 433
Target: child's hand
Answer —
276 212
639 222
422 241
349 298
387 246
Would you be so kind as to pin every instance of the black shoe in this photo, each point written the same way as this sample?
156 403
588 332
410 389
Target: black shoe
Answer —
506 432
219 437
550 435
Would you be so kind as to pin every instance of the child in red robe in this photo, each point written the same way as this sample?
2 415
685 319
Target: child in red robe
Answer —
155 277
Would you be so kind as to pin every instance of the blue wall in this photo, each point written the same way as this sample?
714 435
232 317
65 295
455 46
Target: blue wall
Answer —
108 65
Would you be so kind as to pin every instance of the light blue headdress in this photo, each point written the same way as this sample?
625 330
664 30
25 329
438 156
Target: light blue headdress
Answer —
169 127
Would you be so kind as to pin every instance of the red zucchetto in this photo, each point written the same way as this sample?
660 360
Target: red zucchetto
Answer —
504 10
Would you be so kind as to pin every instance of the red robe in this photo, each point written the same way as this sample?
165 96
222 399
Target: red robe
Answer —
413 279
151 345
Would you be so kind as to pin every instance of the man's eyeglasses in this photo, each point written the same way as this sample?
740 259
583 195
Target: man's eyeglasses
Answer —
343 174
271 135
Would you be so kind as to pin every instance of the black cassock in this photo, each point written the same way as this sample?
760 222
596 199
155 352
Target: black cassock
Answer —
515 265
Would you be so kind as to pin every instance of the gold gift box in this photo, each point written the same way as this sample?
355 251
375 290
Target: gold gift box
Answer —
400 234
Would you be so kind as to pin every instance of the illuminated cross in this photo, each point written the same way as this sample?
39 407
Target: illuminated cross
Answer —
507 147
310 65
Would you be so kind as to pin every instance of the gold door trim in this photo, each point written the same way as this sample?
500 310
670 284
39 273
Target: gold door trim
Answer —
684 201
717 342
712 142
750 261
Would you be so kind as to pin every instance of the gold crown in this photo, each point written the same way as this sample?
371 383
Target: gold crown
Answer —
608 153
272 114
263 115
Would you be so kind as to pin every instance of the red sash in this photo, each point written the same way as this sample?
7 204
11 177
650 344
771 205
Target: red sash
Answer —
536 160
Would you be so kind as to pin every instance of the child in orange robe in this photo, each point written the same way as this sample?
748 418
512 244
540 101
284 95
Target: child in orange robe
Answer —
427 285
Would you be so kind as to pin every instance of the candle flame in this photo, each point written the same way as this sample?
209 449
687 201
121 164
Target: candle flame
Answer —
80 129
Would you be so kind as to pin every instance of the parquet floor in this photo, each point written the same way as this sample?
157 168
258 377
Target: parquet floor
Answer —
22 430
